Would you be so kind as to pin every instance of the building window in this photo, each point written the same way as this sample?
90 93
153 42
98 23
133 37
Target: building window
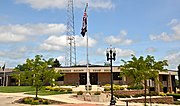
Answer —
116 76
60 78
164 78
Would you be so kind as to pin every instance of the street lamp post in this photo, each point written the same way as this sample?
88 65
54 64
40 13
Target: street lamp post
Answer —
111 54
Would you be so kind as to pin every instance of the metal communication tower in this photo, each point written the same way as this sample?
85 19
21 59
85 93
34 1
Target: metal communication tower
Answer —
70 58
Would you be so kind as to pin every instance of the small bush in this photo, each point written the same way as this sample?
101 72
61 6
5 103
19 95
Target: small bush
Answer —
62 90
107 85
48 87
56 89
27 100
138 87
154 93
162 94
175 96
107 89
69 90
35 102
45 102
80 93
97 93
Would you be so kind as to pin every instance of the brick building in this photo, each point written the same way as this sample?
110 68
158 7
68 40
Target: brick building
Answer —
99 75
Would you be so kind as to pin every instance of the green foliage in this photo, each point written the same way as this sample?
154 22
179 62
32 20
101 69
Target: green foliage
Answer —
142 69
97 93
69 90
15 89
121 96
175 96
79 92
137 95
135 87
48 88
36 72
35 102
56 63
107 89
45 102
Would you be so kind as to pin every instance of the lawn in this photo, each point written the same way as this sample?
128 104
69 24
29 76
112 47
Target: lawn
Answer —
15 89
28 90
44 92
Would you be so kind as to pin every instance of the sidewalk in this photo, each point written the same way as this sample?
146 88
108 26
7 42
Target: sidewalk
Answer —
7 99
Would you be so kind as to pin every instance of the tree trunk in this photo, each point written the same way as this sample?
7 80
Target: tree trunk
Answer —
36 92
145 86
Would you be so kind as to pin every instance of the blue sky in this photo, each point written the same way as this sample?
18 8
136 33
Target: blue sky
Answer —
141 27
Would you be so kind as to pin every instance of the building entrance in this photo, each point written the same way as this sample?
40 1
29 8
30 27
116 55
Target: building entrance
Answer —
93 78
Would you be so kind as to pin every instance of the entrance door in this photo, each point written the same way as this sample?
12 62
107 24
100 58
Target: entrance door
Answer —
94 78
83 78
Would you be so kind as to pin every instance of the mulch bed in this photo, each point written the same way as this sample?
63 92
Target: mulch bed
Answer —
21 101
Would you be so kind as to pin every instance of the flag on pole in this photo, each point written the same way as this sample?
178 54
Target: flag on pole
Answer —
3 67
84 23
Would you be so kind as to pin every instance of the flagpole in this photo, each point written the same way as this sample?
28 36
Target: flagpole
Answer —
87 68
4 76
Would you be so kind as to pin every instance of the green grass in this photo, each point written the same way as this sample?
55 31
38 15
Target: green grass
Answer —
15 89
28 89
44 92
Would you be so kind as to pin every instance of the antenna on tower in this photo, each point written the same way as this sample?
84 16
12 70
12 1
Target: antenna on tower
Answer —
70 58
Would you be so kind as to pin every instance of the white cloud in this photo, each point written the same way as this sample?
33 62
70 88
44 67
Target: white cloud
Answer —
10 37
173 60
118 40
62 4
61 59
175 36
124 53
150 50
19 33
119 52
82 41
59 42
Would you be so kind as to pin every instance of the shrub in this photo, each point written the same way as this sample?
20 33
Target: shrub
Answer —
35 102
45 102
121 88
162 94
107 89
175 96
107 85
135 87
62 90
97 93
69 90
27 100
153 93
48 87
80 93
56 89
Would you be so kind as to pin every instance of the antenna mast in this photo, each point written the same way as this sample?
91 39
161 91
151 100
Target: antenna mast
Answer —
70 59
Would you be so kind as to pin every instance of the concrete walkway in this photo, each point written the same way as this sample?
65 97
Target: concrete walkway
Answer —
8 98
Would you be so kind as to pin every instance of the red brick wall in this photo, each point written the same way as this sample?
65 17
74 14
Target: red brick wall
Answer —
71 78
104 78
129 92
166 99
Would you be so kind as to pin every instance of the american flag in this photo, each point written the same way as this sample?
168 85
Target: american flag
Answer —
84 23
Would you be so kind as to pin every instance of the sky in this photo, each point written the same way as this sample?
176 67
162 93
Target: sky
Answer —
138 27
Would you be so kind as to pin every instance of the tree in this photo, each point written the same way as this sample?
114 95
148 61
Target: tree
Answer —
36 72
179 74
142 69
56 63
